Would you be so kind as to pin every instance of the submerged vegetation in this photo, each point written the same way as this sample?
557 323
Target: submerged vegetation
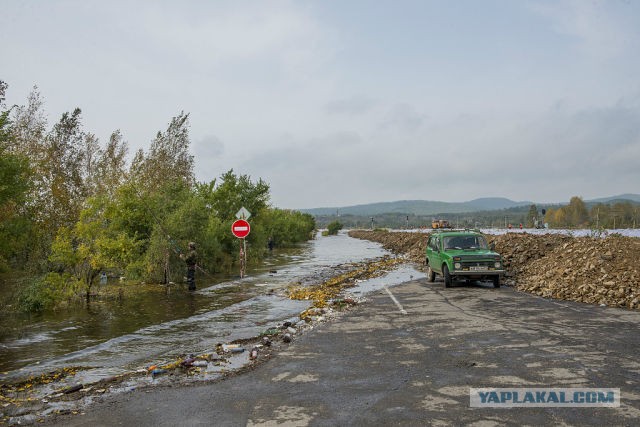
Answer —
72 209
333 228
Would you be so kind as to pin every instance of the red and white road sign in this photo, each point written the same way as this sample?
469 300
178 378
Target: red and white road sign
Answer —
240 228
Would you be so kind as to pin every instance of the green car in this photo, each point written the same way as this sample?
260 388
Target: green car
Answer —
462 254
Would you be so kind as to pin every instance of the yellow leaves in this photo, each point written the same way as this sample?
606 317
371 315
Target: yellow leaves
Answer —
10 393
331 288
172 365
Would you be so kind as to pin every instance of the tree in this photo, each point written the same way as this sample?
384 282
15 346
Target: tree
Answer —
235 191
532 216
3 91
110 167
92 245
333 228
62 172
14 185
577 214
560 218
29 127
287 227
168 158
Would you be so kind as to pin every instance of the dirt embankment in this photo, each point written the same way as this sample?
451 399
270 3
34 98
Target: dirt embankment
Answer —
586 269
411 244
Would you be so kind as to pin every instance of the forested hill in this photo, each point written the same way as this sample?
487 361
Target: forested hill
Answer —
430 207
420 207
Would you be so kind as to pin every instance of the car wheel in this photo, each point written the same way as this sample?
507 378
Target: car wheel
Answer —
446 275
496 281
431 275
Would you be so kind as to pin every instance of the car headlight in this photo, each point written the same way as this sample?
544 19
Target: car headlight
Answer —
457 265
497 264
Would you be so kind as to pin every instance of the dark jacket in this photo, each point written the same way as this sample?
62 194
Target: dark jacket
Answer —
191 259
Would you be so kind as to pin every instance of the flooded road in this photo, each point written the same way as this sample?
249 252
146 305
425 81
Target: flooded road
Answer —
117 336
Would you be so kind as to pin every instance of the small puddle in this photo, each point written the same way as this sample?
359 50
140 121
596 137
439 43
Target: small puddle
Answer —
404 273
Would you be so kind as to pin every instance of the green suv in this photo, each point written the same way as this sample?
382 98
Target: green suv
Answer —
462 254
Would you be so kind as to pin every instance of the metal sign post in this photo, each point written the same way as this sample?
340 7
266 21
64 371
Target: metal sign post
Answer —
241 229
243 258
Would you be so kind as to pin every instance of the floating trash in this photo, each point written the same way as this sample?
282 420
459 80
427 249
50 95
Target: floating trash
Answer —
158 371
254 353
271 331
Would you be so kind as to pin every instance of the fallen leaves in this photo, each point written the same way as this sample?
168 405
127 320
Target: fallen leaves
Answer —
322 293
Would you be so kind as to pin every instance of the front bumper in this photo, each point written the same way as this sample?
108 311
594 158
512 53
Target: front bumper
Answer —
478 273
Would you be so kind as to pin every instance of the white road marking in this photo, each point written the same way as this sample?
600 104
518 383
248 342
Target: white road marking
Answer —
402 310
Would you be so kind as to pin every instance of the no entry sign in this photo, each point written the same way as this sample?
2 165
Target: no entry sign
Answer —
240 228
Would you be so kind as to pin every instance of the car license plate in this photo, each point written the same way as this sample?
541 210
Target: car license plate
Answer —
477 268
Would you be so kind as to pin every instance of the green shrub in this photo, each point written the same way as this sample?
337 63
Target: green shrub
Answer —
333 228
47 292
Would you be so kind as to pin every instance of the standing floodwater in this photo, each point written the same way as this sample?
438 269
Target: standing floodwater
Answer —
116 336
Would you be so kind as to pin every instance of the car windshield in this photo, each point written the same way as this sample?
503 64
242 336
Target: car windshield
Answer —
465 242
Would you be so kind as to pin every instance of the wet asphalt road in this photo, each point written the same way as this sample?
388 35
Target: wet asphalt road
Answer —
378 366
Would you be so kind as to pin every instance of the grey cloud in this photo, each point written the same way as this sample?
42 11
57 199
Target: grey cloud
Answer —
547 158
591 152
339 139
355 105
209 146
403 117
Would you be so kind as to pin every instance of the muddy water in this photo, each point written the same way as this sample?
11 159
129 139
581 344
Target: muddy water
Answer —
157 325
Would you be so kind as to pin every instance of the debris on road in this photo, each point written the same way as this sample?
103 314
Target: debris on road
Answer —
254 353
321 294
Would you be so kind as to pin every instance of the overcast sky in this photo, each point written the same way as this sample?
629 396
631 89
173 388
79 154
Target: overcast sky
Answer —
345 102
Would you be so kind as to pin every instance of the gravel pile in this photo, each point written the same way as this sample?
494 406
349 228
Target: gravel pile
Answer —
412 245
518 250
590 270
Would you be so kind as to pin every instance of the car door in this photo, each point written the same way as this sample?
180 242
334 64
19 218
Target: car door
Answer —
433 253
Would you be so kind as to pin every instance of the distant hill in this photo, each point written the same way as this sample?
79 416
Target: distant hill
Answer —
494 203
419 207
430 207
620 198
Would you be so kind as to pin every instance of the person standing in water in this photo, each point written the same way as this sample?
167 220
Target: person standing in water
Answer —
191 259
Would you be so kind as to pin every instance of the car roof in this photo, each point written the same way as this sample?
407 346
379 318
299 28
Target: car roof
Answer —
457 233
